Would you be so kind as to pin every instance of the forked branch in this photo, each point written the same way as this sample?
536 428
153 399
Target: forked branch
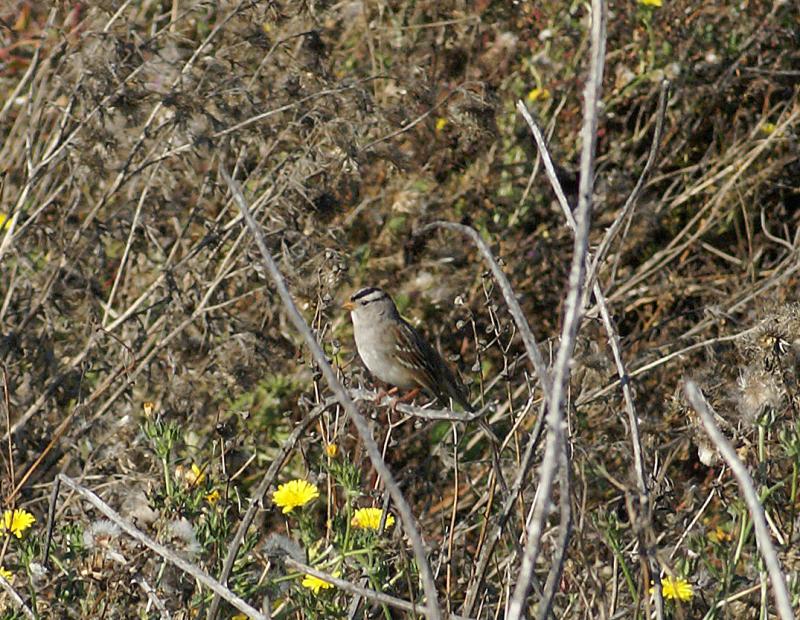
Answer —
432 609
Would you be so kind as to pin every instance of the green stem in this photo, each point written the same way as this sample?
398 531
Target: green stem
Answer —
167 477
793 500
624 566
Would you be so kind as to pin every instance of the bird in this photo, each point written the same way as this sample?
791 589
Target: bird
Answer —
396 353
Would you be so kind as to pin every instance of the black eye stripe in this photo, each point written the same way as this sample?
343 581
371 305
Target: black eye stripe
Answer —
365 292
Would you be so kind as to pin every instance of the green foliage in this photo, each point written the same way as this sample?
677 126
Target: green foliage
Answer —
266 402
163 434
350 126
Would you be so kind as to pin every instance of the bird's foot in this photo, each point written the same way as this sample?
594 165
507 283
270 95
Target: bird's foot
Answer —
409 396
384 393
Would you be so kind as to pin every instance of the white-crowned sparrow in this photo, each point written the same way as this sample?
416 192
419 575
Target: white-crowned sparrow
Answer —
396 353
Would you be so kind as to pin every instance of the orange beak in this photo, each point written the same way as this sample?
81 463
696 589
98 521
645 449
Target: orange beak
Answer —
348 305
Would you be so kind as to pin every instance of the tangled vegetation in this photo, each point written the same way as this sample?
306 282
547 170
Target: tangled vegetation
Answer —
158 399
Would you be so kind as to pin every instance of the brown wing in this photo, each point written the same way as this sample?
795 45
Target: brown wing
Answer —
433 374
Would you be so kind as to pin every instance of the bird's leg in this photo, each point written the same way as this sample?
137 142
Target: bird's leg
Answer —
411 395
382 393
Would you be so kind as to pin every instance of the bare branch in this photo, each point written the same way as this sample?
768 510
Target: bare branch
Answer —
508 294
351 588
432 609
16 598
608 324
778 579
572 315
591 269
161 550
630 203
508 504
421 412
564 534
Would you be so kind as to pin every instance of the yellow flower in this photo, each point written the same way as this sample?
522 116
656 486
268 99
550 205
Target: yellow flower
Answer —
149 407
315 583
195 476
293 494
676 589
370 519
5 573
719 535
441 123
213 497
191 477
538 94
655 3
766 128
5 221
331 449
17 521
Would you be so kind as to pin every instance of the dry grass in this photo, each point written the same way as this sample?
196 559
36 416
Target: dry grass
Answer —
127 277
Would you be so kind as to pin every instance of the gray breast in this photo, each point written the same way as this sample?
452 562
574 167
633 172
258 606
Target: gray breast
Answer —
376 348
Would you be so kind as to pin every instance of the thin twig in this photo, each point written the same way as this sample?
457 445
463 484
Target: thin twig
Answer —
420 412
474 587
661 361
351 588
781 593
161 550
597 290
128 244
432 609
12 474
508 294
592 266
608 323
687 530
534 354
152 596
630 203
572 316
18 602
51 521
564 533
